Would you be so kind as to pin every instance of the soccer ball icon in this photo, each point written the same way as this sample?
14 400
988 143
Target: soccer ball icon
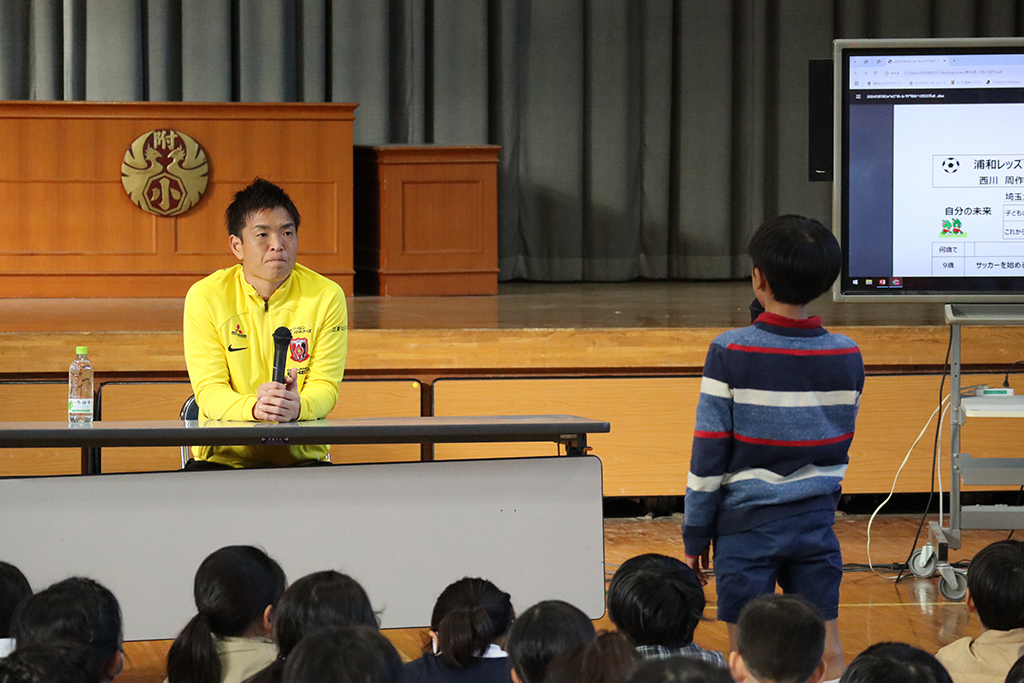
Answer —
950 165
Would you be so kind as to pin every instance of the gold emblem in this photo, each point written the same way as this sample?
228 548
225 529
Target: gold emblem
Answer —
164 172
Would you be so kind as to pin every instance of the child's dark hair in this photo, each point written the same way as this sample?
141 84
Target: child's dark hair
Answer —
469 615
895 663
14 588
344 654
233 588
543 631
656 600
608 658
54 663
319 600
995 579
261 195
680 670
798 257
78 611
781 638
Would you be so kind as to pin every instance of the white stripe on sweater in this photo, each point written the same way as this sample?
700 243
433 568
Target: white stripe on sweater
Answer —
704 484
769 477
713 387
794 399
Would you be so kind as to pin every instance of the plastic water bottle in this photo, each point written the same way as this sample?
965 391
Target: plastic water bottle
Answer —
80 387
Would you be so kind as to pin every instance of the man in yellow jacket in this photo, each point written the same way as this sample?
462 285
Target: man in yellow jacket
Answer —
230 317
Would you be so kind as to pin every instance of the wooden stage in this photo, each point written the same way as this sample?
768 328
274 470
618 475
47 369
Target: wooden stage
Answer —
628 353
872 608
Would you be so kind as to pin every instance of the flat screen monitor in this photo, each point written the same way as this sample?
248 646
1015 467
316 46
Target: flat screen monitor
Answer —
928 189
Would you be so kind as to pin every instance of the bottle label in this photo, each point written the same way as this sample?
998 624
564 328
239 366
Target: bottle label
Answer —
80 406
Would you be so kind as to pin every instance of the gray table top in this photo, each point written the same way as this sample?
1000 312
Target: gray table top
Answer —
330 431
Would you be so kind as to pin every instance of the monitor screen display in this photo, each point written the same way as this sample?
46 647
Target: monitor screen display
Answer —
928 193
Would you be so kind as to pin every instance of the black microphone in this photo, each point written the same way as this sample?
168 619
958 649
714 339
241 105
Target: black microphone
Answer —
282 338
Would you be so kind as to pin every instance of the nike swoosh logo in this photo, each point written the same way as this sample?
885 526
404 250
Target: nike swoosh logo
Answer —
241 348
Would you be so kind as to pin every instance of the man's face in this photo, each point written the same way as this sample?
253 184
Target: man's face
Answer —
267 247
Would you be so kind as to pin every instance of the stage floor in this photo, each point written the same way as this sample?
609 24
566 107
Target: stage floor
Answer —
872 608
518 305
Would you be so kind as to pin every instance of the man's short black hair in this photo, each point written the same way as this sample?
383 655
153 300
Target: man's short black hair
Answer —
261 195
996 581
798 257
656 600
781 638
895 663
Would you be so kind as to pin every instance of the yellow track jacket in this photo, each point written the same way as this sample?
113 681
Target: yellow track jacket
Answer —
229 351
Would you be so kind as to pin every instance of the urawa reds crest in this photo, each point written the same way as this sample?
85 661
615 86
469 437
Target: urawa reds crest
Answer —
164 172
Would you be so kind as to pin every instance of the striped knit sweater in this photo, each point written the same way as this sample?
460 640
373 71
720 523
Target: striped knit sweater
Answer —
778 402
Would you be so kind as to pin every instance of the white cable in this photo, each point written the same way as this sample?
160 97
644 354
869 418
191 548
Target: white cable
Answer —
871 520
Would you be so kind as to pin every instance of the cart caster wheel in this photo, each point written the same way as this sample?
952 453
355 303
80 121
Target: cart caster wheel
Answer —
954 592
921 568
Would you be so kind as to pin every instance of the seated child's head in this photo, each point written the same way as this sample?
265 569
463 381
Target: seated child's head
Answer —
76 611
656 600
468 616
1016 674
679 670
13 589
235 589
779 639
895 663
798 257
540 633
608 658
343 654
54 663
995 584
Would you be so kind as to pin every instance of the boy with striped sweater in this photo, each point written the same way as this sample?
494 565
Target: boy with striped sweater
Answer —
775 420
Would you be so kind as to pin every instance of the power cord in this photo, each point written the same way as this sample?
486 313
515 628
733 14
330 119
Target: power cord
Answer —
935 451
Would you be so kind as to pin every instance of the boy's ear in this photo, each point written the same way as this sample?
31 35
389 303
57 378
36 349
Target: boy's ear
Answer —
760 284
819 674
738 669
515 676
268 624
970 603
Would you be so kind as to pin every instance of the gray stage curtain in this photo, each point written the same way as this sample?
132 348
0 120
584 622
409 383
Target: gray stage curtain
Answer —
641 138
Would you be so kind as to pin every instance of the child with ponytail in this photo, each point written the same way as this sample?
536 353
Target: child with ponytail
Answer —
467 630
228 640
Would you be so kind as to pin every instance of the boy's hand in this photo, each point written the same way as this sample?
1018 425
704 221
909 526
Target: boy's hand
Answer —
698 563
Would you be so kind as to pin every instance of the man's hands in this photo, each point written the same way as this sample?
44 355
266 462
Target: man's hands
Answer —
276 402
699 563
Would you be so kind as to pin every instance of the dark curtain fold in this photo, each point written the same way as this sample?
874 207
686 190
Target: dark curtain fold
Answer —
645 138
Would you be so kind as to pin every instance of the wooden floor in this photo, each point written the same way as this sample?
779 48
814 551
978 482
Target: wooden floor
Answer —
872 610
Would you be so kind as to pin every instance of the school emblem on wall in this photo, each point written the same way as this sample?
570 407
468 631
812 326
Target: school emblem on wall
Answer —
164 172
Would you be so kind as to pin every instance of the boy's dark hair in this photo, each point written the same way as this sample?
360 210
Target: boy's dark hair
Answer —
344 654
54 663
680 670
895 663
656 600
609 658
798 257
781 638
469 615
14 588
233 587
543 631
995 579
77 611
325 599
261 195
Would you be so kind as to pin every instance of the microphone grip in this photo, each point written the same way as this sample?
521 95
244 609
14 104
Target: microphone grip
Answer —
282 338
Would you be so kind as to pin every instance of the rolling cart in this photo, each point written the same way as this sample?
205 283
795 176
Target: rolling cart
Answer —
966 469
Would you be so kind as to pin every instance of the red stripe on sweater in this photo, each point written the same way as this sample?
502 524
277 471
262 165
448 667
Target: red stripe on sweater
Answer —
780 442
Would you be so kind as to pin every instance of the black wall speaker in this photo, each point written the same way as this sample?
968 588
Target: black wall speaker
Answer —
819 119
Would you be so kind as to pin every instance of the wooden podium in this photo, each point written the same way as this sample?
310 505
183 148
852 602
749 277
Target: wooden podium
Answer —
426 220
71 230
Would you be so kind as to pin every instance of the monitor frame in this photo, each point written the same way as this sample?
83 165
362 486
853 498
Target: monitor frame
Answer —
842 51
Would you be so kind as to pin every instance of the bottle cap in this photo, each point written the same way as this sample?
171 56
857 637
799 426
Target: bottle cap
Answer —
81 350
